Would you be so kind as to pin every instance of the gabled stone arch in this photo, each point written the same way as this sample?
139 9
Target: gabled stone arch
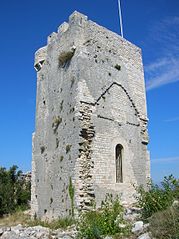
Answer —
122 111
126 92
106 91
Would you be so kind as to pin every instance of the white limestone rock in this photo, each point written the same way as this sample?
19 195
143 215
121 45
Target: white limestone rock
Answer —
144 236
1 231
138 227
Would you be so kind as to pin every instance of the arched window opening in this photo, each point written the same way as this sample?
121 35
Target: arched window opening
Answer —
119 173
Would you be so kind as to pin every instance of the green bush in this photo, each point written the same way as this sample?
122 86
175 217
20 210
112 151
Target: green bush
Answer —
157 198
14 191
105 221
165 224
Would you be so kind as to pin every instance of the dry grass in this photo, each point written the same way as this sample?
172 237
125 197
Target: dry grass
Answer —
55 224
165 224
24 219
14 219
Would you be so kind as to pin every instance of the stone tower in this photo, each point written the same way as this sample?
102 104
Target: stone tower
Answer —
91 121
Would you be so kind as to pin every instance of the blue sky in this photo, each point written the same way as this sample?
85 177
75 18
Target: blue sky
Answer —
152 25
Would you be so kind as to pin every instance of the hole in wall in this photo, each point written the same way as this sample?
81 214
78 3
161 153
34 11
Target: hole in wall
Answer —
117 67
57 143
38 66
42 149
56 121
61 105
65 58
68 148
72 81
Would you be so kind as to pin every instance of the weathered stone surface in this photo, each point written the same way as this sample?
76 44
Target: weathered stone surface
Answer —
121 225
144 236
108 237
1 231
138 227
175 203
9 235
90 98
37 232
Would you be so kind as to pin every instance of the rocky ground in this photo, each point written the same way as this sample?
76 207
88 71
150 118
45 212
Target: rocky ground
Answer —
139 230
39 232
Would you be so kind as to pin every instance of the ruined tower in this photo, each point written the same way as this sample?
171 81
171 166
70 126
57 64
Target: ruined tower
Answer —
91 121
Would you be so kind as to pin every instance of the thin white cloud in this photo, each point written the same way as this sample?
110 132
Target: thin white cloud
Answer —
162 72
155 65
172 119
166 160
165 69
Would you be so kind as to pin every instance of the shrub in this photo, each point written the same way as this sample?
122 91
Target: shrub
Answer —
165 224
105 221
157 198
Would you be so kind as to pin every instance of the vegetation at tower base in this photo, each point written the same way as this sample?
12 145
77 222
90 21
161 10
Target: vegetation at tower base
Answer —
158 198
14 190
159 206
71 194
108 220
55 224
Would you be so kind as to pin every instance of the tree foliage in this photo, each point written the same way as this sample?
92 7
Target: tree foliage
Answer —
14 190
158 198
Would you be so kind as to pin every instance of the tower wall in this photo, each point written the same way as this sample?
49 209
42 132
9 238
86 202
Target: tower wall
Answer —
90 98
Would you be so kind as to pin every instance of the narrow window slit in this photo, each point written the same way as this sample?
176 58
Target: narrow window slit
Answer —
119 159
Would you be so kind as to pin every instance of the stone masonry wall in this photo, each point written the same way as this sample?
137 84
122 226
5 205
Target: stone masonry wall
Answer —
90 97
